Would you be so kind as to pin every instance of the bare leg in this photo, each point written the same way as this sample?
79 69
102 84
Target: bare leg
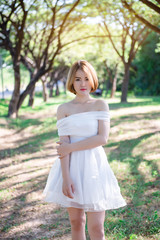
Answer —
77 219
96 225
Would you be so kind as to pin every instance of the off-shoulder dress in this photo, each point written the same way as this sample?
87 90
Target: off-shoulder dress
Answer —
96 187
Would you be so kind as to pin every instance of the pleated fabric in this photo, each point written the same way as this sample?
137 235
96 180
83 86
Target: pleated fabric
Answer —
96 187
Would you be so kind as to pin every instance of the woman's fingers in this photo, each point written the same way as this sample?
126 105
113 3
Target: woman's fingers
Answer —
61 156
58 152
68 193
72 187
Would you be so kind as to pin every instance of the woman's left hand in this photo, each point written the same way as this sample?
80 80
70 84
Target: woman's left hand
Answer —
63 149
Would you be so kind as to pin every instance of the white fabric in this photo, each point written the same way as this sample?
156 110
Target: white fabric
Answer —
96 187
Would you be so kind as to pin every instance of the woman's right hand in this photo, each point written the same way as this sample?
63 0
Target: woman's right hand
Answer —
68 188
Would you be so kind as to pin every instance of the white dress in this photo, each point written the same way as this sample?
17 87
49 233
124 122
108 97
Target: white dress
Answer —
96 187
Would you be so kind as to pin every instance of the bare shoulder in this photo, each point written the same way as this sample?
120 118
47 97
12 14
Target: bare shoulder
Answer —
62 111
101 105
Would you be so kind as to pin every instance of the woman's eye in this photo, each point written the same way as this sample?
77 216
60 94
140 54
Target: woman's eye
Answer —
77 79
87 79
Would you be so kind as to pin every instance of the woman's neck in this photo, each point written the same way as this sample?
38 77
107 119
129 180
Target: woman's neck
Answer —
82 100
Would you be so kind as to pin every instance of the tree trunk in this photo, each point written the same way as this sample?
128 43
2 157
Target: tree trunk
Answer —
114 86
12 110
57 89
114 83
44 91
23 95
107 87
125 83
31 97
51 91
64 86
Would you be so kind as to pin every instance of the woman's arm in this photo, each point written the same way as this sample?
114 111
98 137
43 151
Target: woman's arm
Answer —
99 140
65 160
67 187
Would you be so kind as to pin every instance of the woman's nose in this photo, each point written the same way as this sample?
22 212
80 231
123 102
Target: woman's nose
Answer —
82 83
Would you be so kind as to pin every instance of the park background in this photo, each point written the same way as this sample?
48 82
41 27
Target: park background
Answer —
39 41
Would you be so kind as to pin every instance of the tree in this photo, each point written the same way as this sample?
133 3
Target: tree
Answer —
113 74
48 40
59 73
44 41
151 22
12 22
44 38
146 76
132 35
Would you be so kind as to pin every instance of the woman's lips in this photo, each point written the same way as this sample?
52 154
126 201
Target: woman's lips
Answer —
82 89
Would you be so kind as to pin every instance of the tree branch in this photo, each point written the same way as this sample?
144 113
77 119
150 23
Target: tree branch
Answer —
64 20
151 5
110 37
79 39
151 26
158 1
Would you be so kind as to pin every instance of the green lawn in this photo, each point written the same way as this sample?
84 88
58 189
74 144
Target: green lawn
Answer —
28 151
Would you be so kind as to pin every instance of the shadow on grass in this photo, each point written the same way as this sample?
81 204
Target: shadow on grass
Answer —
22 123
34 144
43 105
24 211
133 223
25 108
148 102
139 116
134 117
3 107
140 217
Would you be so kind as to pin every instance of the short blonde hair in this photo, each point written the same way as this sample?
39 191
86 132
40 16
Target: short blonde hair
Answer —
88 69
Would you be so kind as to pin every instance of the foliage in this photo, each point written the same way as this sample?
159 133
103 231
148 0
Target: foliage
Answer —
145 11
146 75
83 36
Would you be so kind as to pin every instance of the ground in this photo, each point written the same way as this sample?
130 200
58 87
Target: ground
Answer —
27 151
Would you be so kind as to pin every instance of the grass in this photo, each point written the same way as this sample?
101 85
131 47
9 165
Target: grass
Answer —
28 151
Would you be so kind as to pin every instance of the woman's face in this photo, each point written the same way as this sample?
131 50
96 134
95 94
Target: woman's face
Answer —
81 83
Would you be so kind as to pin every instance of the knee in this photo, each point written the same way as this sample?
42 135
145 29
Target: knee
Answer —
96 231
78 223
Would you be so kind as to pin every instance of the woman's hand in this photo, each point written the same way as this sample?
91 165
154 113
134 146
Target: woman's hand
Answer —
68 188
63 149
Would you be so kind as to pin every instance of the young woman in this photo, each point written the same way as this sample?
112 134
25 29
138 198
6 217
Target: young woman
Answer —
81 178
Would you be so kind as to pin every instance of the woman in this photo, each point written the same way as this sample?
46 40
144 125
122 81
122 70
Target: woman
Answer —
81 178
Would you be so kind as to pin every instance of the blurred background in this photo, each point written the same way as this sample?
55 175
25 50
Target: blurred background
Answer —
40 40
